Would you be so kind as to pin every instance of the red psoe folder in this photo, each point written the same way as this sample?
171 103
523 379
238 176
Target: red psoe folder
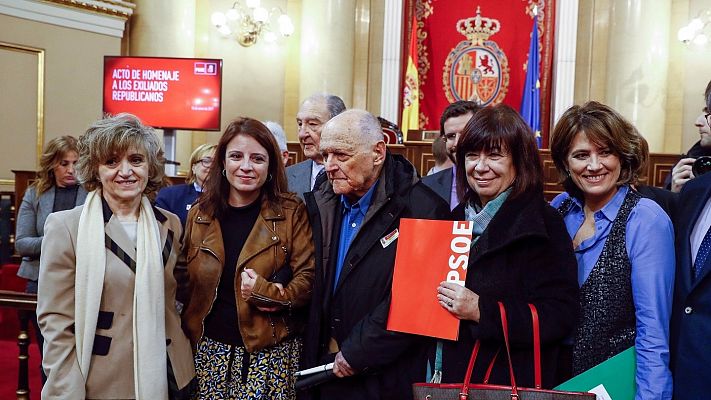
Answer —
428 252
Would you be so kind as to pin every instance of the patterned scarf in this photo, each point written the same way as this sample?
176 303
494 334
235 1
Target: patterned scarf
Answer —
482 216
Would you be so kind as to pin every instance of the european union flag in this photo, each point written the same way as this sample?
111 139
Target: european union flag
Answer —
531 100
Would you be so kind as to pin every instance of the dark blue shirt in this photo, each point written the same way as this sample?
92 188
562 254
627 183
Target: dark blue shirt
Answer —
353 215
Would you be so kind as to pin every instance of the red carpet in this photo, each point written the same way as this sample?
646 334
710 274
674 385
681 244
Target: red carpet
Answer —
8 369
9 328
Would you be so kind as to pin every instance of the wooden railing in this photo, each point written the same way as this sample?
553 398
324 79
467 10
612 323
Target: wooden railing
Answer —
25 304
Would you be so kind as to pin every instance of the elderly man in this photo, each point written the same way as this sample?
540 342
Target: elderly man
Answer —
355 216
451 124
691 313
315 111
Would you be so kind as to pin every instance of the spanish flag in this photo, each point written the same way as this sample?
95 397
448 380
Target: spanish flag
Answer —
411 88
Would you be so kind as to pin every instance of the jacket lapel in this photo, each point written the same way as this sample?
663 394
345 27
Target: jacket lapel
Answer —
81 196
46 203
300 175
516 219
696 201
122 246
167 236
262 236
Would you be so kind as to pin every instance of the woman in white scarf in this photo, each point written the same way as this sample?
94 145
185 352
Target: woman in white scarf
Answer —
106 301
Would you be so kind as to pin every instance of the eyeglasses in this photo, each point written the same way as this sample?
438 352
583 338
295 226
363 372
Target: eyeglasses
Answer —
450 137
206 162
708 121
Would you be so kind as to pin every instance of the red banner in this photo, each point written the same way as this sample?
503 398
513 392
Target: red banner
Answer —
180 93
477 50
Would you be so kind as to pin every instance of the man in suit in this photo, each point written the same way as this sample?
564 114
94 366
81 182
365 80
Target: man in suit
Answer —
691 313
451 124
681 173
314 112
355 217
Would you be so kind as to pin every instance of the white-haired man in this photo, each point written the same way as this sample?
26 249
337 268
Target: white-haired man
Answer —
280 137
355 217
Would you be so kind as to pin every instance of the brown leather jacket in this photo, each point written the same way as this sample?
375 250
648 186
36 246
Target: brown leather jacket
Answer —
279 239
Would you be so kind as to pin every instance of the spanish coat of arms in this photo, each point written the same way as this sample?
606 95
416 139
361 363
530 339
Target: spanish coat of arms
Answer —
477 69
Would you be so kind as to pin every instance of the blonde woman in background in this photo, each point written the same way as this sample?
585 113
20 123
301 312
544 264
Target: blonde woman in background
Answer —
55 189
179 198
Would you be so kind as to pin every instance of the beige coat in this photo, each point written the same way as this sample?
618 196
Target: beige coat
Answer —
111 374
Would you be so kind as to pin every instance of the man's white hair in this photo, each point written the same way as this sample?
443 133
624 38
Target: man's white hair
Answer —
278 133
364 126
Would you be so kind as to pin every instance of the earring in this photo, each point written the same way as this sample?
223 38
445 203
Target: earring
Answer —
269 178
224 172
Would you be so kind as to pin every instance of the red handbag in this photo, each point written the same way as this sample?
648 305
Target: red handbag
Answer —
485 391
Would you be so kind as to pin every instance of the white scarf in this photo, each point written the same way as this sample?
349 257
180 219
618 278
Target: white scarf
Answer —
149 348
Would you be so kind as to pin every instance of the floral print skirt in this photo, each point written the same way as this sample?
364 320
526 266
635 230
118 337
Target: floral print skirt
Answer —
229 372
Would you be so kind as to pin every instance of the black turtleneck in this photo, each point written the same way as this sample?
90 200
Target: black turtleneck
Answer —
65 198
236 223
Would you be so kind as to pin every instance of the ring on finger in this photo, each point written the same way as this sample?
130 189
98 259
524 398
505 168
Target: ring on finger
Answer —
450 304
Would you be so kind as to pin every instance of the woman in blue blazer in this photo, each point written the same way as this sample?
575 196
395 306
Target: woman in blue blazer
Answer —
179 198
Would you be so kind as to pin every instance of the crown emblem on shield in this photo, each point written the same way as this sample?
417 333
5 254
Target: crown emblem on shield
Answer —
477 69
477 29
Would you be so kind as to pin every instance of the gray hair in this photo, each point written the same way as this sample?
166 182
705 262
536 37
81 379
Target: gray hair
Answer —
334 103
114 135
278 133
362 125
370 128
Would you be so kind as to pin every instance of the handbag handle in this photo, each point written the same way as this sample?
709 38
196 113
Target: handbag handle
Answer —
505 327
536 344
464 394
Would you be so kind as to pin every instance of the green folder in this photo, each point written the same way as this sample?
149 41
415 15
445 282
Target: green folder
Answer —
615 374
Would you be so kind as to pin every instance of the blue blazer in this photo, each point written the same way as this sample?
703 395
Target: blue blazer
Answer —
299 177
691 313
177 199
441 183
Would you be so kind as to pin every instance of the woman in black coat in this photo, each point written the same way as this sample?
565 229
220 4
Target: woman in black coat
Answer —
520 254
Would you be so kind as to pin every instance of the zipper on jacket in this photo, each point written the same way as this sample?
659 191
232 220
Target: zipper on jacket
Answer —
259 297
202 320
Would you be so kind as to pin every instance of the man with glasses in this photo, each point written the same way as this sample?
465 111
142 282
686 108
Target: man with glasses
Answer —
681 173
314 112
452 122
690 327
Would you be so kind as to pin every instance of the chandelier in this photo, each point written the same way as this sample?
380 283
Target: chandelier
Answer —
246 23
697 31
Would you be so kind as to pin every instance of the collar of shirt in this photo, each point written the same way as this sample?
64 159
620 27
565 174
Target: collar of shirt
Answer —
603 218
362 204
197 187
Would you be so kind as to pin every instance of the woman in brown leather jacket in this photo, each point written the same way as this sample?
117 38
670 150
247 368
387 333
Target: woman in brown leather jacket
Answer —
250 265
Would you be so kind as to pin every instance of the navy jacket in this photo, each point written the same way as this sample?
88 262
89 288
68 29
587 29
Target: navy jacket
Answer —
691 313
177 199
